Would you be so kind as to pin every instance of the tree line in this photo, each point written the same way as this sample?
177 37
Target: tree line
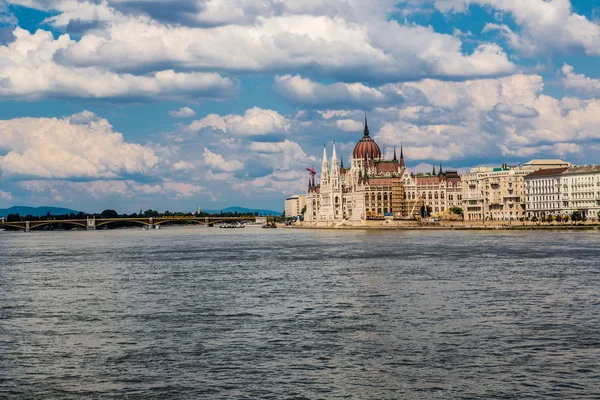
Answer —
112 214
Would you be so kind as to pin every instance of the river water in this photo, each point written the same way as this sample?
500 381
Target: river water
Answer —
195 313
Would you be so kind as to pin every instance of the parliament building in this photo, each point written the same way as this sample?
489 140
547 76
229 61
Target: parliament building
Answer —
375 188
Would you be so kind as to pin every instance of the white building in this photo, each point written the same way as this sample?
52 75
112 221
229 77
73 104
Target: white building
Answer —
543 193
581 190
375 188
366 189
294 205
499 193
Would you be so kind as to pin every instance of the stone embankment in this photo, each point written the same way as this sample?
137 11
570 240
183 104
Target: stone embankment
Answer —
451 225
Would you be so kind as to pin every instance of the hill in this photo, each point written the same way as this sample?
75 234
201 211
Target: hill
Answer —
245 210
35 211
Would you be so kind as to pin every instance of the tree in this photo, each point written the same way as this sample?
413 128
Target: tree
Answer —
549 219
457 210
534 219
13 218
559 219
304 210
109 214
576 216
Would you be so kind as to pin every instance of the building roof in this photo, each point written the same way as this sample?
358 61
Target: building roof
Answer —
582 170
547 162
366 147
387 166
546 172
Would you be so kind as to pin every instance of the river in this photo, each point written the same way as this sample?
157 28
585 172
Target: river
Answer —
194 313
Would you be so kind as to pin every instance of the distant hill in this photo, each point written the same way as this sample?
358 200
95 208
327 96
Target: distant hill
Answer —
245 210
35 211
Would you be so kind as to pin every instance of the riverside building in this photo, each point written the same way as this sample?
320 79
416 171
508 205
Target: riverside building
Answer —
375 188
294 205
544 193
581 190
500 193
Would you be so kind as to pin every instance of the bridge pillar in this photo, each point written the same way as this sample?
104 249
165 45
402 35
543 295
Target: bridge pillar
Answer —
27 227
151 223
91 224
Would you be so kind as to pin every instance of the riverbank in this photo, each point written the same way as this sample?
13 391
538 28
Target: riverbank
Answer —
457 226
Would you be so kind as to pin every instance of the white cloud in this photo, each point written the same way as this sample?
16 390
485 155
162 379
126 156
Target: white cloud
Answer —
183 112
349 125
29 70
579 82
101 189
255 121
492 118
5 195
338 47
544 25
183 189
183 166
306 93
59 148
216 161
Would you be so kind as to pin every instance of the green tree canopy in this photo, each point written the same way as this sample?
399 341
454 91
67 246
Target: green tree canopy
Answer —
109 214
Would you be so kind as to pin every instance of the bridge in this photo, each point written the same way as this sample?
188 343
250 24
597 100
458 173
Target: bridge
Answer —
93 223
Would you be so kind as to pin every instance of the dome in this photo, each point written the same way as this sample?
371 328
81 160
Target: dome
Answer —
366 147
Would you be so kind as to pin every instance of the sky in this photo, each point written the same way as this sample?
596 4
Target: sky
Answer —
175 105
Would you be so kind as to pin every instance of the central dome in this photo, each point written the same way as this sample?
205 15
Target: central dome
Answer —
366 147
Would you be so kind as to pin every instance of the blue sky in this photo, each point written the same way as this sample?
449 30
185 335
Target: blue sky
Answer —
177 104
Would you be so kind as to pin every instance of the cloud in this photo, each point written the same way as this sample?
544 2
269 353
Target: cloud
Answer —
349 125
255 121
491 119
183 112
183 189
183 166
303 92
216 161
102 189
545 26
579 82
5 195
516 110
52 148
29 70
342 47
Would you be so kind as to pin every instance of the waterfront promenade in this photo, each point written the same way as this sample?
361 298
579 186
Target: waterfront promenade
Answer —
456 225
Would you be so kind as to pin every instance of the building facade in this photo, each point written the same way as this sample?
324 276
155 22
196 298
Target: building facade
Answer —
580 188
500 193
294 205
544 193
375 188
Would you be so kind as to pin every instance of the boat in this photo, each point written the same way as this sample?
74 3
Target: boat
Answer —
232 225
270 225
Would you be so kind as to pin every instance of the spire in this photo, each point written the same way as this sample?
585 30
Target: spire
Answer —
342 162
366 133
324 153
395 159
401 158
441 171
433 173
334 156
